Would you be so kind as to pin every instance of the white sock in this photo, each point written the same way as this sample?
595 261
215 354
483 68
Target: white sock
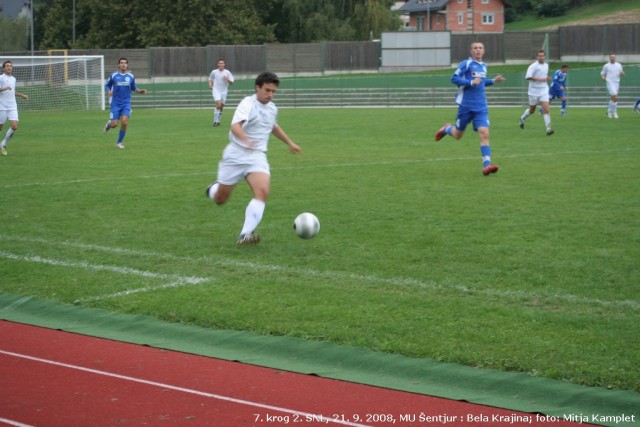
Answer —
614 106
547 120
213 190
525 115
7 136
252 216
216 116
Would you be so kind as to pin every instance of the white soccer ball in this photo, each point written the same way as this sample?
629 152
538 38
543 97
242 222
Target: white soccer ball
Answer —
306 225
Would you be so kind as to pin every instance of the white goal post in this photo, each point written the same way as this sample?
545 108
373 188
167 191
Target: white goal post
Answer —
62 83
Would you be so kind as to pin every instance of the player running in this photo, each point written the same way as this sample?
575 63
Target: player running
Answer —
471 79
559 86
120 85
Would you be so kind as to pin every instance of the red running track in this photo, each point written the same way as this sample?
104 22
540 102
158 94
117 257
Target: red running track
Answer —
53 378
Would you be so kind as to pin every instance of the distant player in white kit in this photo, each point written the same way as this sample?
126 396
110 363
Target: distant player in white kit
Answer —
8 104
538 76
219 81
611 73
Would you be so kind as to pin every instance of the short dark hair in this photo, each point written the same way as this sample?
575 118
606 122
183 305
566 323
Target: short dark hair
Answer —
125 59
267 77
8 61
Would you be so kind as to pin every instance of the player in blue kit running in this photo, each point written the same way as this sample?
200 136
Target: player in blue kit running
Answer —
471 79
120 85
559 86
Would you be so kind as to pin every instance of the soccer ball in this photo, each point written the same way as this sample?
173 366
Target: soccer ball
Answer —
306 225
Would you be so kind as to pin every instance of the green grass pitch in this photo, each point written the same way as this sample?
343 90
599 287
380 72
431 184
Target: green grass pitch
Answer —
534 269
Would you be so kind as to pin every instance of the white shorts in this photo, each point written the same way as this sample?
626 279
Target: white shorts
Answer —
219 96
613 88
238 162
11 115
537 99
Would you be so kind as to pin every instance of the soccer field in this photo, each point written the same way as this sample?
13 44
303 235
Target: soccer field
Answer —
534 269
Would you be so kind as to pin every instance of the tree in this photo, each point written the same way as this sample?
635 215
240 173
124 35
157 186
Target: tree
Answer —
15 35
125 24
303 21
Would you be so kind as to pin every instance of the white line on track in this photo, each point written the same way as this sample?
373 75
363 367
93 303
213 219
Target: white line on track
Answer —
14 423
176 280
302 415
340 275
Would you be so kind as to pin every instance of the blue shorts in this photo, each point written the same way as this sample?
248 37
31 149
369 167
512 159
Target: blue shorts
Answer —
465 116
118 111
555 93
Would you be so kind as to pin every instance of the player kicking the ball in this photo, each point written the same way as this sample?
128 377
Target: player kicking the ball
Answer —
471 79
245 157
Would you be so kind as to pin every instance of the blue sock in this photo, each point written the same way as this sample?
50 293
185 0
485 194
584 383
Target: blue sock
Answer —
447 130
564 104
486 155
637 102
121 136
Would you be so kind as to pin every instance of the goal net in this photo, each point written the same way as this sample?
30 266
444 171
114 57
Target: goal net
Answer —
59 82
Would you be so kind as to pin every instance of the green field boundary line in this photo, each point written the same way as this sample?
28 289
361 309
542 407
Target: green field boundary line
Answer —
515 391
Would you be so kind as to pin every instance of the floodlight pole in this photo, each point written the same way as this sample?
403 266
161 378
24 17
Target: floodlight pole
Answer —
32 13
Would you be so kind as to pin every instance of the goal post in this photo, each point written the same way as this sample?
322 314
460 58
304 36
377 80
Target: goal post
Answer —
63 83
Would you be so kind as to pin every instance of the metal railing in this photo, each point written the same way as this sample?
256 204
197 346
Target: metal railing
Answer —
376 97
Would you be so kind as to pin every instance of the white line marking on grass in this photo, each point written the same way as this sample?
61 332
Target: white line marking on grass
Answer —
316 166
339 275
176 281
303 415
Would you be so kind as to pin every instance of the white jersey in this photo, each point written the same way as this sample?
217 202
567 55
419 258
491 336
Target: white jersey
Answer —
611 72
539 71
8 97
219 83
259 121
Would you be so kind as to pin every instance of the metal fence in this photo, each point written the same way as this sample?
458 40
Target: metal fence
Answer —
376 90
184 63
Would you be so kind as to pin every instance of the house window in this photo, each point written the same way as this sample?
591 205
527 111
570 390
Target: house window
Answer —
460 18
487 19
438 19
460 1
420 23
485 1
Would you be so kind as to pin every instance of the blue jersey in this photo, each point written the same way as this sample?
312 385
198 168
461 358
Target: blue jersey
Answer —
122 86
471 97
559 80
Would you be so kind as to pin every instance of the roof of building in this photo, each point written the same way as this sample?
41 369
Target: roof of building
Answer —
417 6
413 6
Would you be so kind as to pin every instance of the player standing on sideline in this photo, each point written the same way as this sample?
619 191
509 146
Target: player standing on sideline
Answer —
471 79
8 104
611 73
120 85
559 86
254 120
219 81
538 76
